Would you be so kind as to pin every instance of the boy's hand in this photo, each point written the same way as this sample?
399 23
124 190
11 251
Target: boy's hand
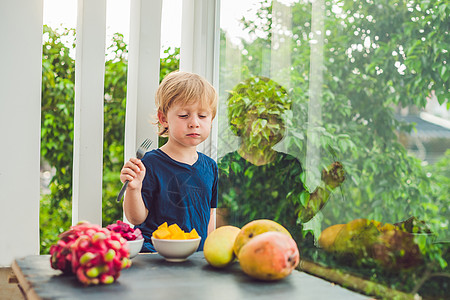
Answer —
133 171
334 175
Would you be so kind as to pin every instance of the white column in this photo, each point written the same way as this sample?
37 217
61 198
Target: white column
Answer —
20 118
280 62
143 74
315 95
88 130
199 51
280 52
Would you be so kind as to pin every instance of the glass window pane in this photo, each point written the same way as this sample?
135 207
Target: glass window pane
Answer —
334 122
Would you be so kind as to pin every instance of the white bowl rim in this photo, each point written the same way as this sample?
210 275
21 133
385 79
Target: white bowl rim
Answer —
174 241
136 240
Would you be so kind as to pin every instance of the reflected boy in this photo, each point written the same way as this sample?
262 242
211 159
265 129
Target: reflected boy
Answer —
256 181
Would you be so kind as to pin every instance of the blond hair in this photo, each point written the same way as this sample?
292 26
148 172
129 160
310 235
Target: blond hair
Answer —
184 88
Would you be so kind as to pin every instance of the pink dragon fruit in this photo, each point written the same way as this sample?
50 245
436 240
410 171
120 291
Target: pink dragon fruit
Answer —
125 230
100 257
96 255
61 253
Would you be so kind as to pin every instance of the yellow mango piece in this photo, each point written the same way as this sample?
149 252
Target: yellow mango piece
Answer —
173 232
193 234
163 226
178 236
161 233
174 229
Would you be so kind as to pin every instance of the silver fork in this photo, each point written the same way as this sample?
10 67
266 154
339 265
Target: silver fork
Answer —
139 154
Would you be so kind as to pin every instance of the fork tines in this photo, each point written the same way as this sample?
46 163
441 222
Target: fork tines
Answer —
146 144
143 148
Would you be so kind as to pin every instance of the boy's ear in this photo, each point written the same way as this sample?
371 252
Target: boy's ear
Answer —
162 118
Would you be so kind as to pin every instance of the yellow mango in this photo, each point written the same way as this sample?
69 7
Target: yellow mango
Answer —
161 233
254 228
328 236
178 236
193 234
173 232
387 227
163 226
218 248
174 229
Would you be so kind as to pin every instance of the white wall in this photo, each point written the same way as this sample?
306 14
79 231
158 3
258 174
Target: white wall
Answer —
20 106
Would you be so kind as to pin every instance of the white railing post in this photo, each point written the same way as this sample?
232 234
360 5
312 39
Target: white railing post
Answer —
315 94
199 51
88 129
20 125
143 74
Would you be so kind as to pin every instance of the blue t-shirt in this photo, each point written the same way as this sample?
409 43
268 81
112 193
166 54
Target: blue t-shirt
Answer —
176 192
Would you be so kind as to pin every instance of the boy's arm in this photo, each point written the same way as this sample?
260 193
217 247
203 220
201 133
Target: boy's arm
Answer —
212 221
332 177
134 208
133 204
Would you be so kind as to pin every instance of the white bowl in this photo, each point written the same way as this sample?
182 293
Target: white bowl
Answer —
176 250
135 247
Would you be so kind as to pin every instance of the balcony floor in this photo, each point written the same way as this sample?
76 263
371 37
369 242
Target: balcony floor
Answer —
9 288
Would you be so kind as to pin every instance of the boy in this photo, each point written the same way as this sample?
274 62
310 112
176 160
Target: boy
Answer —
175 183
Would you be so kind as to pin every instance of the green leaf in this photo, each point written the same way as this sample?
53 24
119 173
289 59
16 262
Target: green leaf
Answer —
304 198
236 167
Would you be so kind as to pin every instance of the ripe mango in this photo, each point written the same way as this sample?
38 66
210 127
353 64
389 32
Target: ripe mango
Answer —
396 250
344 237
218 248
328 236
254 228
356 237
193 234
387 227
269 256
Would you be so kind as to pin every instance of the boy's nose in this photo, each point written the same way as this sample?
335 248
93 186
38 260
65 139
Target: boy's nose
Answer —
194 123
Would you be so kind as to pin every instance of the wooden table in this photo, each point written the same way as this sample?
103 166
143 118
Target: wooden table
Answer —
151 277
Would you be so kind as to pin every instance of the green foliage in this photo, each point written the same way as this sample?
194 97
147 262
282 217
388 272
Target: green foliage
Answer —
114 128
257 97
57 128
58 82
170 62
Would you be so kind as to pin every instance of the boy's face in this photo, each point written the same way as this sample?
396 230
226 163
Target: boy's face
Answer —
189 124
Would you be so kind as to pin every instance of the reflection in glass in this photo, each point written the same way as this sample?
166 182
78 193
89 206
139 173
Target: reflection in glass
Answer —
256 181
360 77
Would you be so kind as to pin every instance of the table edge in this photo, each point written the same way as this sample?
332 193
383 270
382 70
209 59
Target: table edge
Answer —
26 288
